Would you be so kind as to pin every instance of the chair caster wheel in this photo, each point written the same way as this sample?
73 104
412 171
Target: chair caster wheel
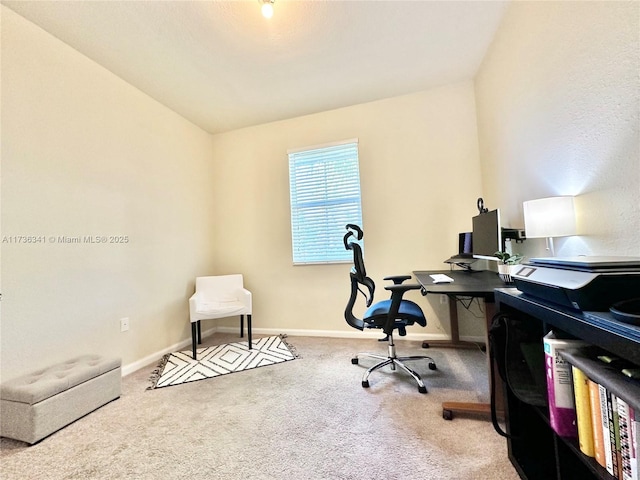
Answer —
365 384
354 360
447 414
432 366
422 389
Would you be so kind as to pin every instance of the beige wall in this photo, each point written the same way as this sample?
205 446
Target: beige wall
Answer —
84 153
558 99
420 181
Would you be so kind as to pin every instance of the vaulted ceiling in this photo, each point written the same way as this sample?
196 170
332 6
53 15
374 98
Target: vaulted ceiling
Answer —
223 66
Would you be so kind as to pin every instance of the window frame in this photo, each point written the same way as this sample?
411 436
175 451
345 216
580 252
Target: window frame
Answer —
342 203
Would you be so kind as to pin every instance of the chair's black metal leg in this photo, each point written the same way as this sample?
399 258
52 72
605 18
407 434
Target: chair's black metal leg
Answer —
199 332
194 330
249 330
241 326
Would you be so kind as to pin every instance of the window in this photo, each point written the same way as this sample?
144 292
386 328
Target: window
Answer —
325 196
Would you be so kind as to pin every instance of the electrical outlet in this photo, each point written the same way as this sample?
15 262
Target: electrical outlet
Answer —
124 324
443 299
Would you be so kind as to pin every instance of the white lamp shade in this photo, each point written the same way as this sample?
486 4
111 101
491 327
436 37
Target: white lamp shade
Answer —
549 217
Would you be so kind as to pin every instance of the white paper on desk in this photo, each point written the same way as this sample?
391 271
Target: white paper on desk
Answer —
441 278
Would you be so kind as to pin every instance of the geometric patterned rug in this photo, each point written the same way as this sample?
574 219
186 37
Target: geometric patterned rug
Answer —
180 367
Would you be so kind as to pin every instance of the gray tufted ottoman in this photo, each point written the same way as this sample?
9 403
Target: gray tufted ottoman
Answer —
37 404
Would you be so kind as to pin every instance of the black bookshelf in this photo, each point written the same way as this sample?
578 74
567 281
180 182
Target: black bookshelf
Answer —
534 449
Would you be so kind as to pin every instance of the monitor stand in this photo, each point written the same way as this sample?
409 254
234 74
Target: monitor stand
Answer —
463 263
466 267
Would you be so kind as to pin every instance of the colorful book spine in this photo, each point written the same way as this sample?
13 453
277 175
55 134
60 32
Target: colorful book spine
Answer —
613 423
616 426
635 445
612 436
583 411
625 439
618 404
633 442
604 415
562 413
596 424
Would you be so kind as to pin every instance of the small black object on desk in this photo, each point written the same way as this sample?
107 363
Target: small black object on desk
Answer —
627 311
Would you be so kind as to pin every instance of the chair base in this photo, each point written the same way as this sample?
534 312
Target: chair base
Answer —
394 361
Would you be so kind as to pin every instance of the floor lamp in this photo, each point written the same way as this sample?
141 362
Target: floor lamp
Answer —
548 218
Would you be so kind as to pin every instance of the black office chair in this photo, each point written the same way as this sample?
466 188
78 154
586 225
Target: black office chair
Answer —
387 315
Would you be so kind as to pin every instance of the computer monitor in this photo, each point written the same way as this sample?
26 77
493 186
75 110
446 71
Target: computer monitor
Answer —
487 235
465 244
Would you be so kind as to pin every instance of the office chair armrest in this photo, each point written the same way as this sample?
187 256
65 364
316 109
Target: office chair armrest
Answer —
403 288
397 292
398 279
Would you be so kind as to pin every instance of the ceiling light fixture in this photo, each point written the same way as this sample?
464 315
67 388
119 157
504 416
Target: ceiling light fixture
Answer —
267 8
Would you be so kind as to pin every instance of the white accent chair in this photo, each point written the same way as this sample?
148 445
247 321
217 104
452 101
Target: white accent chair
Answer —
219 296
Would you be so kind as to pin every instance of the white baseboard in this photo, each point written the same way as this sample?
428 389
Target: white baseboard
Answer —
370 333
155 357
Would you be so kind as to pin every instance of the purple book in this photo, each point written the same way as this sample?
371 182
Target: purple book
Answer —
562 409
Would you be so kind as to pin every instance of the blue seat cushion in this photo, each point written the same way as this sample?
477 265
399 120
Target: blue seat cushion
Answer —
408 313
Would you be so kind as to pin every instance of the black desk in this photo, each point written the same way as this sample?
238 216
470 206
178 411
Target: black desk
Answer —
478 284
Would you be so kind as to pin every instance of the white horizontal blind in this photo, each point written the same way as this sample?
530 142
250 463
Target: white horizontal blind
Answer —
325 196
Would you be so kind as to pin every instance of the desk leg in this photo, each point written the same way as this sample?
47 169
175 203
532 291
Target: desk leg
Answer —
484 409
455 341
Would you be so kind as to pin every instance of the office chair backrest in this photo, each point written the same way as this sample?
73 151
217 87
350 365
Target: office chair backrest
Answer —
358 276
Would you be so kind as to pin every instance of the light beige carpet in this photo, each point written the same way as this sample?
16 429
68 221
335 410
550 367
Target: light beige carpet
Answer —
309 419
